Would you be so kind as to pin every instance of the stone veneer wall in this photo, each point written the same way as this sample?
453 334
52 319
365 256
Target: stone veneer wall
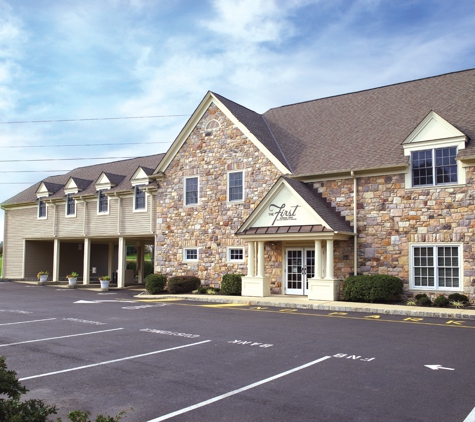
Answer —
210 226
390 217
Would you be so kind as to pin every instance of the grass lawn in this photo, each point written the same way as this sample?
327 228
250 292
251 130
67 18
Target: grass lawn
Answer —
134 257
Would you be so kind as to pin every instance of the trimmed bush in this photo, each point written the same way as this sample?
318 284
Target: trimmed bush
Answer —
183 284
155 283
441 301
131 265
147 268
420 296
457 297
231 284
372 288
424 301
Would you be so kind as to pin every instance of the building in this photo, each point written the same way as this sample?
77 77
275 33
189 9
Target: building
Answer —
82 222
302 196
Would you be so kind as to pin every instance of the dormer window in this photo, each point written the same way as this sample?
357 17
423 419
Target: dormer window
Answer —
42 209
102 202
140 203
434 167
433 147
70 206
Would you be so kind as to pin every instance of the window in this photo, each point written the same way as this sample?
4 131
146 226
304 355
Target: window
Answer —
235 186
70 206
434 167
139 199
191 191
190 254
236 254
41 208
436 267
102 202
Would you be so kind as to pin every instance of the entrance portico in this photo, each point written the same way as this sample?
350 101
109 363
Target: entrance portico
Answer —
308 244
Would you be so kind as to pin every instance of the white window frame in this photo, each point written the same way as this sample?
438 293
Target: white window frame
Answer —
186 259
229 187
136 189
193 204
99 193
436 287
433 145
44 217
72 215
229 257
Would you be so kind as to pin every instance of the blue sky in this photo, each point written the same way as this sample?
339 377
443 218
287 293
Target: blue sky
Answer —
91 59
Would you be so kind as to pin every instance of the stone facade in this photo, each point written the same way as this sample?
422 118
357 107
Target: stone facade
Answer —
210 225
391 217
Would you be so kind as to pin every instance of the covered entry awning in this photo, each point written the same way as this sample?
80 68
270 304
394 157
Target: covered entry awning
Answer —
291 211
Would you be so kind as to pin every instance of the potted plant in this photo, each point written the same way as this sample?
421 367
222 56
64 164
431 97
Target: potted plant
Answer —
72 278
42 276
105 280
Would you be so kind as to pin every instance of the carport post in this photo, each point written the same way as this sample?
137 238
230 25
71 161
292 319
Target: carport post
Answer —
140 259
110 261
56 256
122 263
87 262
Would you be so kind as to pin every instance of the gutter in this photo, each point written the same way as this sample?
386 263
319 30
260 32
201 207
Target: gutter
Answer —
355 223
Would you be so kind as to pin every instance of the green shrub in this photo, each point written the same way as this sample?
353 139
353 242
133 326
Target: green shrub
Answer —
131 265
147 268
231 284
202 289
457 297
424 301
372 288
420 296
183 284
155 283
441 301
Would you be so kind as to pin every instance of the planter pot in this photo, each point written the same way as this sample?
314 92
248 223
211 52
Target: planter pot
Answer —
105 284
43 278
72 281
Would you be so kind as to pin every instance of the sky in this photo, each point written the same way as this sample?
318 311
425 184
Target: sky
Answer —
98 63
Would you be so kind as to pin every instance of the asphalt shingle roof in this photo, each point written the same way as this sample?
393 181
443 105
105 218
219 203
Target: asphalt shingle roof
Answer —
120 171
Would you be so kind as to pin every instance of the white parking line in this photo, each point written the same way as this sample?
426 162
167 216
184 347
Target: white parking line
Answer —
239 390
112 361
55 338
26 322
470 417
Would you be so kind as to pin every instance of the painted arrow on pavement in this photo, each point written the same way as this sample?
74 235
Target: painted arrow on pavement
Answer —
437 367
102 301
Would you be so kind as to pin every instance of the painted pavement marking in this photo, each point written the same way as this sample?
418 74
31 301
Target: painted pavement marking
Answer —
112 361
470 417
224 305
27 322
56 338
239 390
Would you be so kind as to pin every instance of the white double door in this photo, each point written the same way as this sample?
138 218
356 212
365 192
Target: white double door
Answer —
299 267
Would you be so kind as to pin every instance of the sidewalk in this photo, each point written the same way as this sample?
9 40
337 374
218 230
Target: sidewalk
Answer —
285 301
302 302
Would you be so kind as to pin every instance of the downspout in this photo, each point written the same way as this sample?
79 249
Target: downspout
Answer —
118 214
355 223
84 222
54 221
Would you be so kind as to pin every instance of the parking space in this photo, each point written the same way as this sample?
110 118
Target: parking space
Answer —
195 361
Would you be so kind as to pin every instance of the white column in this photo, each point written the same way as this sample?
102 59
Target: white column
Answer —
329 266
318 259
86 262
260 259
140 259
56 257
250 259
110 260
122 263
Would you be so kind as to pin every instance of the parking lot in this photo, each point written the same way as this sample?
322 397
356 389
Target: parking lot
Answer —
195 361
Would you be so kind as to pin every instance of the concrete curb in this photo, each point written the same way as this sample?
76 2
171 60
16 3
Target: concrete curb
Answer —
284 302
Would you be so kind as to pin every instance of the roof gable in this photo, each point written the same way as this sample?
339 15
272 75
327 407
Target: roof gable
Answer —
292 203
263 143
75 185
433 128
140 177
